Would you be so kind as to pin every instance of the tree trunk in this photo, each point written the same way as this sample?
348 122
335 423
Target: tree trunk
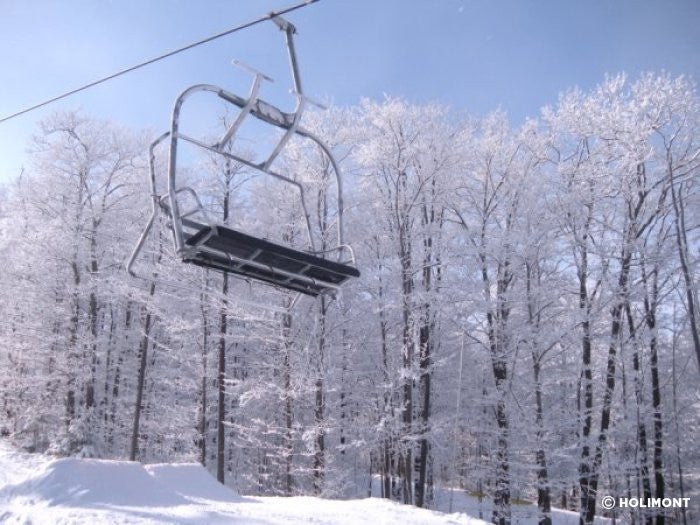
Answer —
388 409
676 417
223 327
643 461
497 321
544 502
426 345
221 387
202 425
93 320
650 284
143 356
319 409
143 360
406 460
682 245
288 414
589 506
584 304
423 458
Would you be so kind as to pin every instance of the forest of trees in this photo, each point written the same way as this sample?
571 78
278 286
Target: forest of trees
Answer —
526 325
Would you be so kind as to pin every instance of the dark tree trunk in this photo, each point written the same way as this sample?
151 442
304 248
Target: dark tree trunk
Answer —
223 329
116 380
70 401
643 461
676 417
588 510
650 304
288 413
203 425
343 395
426 346
143 357
319 409
140 381
586 416
424 453
221 387
93 320
406 460
544 502
682 245
501 497
387 447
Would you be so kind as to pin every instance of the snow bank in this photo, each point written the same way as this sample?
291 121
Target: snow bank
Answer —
95 482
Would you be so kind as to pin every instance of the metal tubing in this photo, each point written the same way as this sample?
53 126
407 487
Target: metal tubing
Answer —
266 112
291 130
255 110
154 201
242 160
337 249
293 61
172 161
294 183
289 31
139 245
338 179
252 98
200 206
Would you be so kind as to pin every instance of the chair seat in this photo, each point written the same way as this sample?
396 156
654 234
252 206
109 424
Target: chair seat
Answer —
228 250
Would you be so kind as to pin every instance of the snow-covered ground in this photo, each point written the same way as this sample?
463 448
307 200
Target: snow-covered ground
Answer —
521 513
39 490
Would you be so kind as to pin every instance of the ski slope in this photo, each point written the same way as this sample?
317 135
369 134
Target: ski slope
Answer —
40 490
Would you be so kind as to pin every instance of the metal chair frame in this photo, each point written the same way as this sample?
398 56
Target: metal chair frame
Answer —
191 237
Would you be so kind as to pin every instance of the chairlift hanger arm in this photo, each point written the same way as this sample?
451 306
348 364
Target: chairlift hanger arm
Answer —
289 31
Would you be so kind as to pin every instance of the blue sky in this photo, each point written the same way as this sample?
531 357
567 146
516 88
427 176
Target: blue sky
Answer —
474 55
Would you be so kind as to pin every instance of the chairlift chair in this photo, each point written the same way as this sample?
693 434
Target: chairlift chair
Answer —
202 242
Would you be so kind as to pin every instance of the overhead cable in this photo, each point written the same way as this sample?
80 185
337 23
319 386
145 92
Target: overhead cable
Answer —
268 16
